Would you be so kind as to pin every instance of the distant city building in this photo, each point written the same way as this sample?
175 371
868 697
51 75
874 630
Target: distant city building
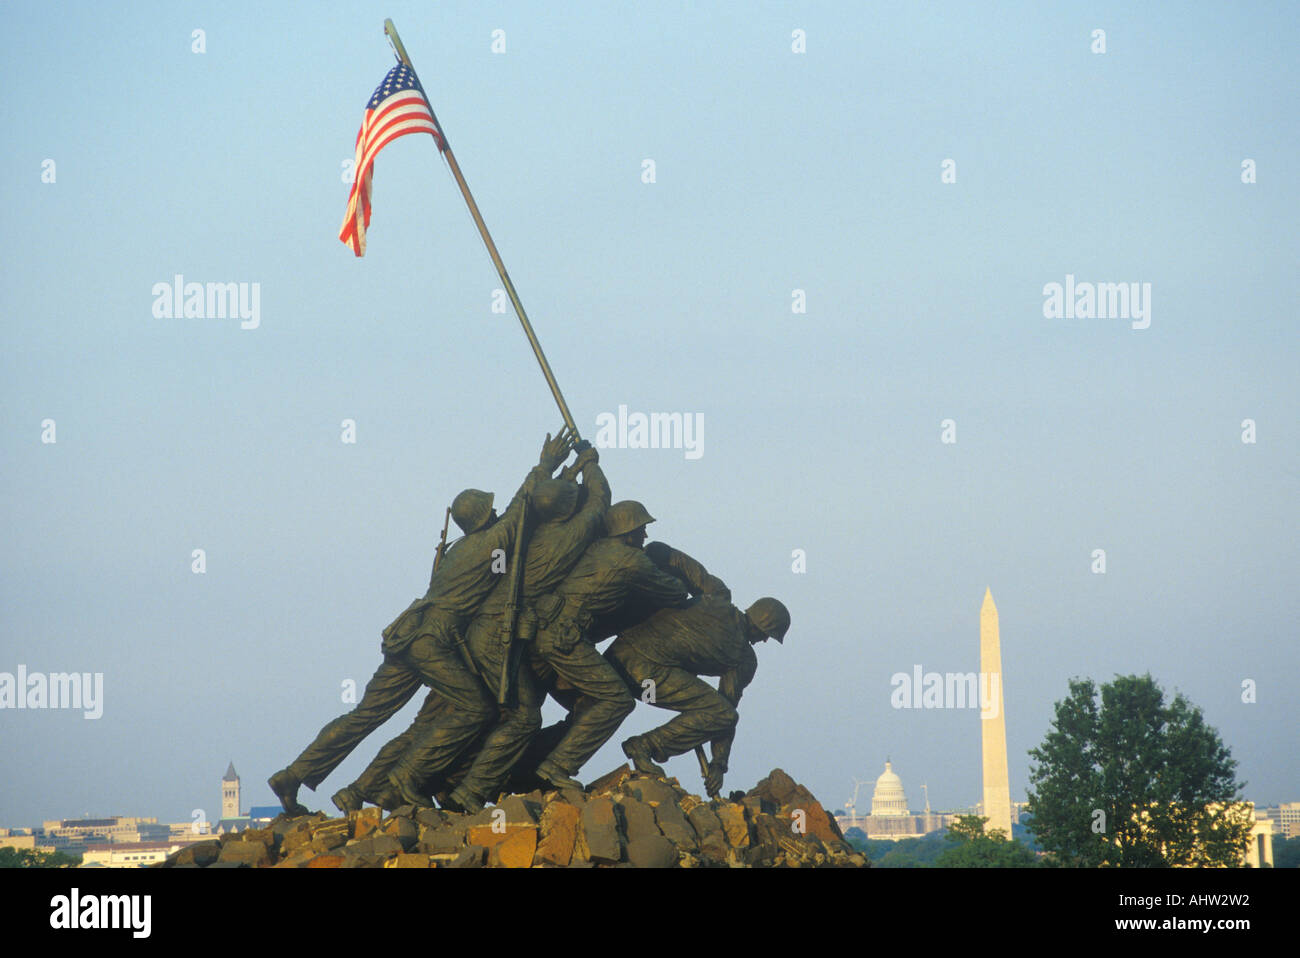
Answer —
890 818
126 854
230 792
888 797
1288 819
75 834
232 820
1259 852
259 816
23 839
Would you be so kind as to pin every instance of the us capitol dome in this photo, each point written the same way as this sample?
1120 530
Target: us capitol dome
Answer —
888 797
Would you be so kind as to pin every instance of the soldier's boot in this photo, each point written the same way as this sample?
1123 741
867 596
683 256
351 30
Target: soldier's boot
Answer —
407 789
348 799
464 799
285 785
550 772
387 798
638 750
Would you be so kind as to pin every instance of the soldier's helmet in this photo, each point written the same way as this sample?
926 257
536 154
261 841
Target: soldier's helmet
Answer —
555 499
626 516
471 509
771 617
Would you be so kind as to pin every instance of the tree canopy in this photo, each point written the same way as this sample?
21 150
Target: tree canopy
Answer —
1133 781
970 846
30 858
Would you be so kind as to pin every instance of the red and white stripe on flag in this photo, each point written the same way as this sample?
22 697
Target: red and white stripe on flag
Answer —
402 110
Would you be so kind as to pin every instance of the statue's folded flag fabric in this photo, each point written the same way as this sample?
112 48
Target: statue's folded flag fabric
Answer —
398 107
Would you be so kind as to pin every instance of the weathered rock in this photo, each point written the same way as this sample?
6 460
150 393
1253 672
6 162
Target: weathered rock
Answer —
712 836
252 854
295 840
651 851
536 798
768 830
652 791
628 820
445 839
404 830
408 861
779 788
690 802
514 810
359 848
493 826
492 835
759 805
200 853
330 835
471 856
284 826
516 851
432 817
364 822
385 846
559 833
328 842
574 796
610 780
734 824
638 819
297 859
600 839
816 821
675 827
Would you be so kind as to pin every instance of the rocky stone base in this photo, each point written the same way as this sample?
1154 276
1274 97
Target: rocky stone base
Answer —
623 819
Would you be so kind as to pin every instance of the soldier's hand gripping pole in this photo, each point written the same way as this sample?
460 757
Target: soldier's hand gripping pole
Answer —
400 50
513 588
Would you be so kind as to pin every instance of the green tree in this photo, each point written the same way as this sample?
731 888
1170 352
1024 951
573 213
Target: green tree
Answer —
971 847
30 858
1286 852
1135 782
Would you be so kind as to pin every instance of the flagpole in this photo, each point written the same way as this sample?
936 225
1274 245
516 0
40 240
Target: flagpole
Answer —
391 32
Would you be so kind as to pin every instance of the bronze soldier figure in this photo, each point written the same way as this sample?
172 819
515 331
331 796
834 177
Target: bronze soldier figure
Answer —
421 647
671 649
566 526
612 574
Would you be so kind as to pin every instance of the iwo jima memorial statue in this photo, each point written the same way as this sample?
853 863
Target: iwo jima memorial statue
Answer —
514 611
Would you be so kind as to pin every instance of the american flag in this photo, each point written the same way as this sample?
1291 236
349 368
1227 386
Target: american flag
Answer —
398 107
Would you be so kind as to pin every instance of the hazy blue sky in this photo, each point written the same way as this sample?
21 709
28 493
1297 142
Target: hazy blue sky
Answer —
775 171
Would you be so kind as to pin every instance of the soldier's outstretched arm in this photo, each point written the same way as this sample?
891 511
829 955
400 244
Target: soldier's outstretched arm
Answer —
649 582
593 477
554 452
688 570
733 682
731 685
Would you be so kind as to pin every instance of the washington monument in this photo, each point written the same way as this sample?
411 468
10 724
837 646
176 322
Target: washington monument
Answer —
997 786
